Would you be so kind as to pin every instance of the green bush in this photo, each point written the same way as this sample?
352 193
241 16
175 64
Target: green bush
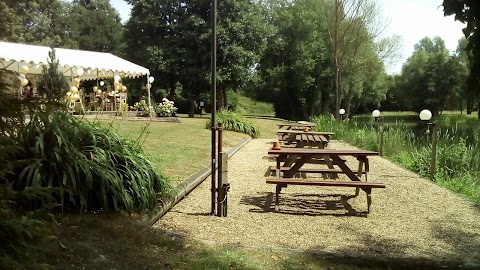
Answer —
93 167
235 122
20 230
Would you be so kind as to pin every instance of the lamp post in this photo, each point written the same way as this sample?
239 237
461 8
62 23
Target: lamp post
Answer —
151 79
379 120
426 116
342 113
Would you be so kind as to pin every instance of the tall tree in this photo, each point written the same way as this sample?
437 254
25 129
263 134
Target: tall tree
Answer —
175 39
96 25
430 76
296 65
347 18
467 91
468 12
35 22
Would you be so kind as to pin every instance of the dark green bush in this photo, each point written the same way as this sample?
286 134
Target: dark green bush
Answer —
19 230
93 167
236 122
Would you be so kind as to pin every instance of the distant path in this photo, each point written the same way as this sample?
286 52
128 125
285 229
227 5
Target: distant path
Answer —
412 218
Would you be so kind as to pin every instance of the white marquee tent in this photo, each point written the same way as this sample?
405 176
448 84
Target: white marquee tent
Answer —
94 65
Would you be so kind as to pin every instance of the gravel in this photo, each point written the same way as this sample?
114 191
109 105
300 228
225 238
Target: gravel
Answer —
412 218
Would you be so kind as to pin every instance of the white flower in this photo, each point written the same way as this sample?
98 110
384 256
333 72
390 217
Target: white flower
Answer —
164 99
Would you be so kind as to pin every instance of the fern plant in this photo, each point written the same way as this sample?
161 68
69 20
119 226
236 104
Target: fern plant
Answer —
235 122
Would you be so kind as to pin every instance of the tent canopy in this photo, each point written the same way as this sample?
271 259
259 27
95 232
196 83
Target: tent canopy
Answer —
94 64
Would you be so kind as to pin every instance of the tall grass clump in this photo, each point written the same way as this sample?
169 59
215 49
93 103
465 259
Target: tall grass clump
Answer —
236 122
92 166
458 158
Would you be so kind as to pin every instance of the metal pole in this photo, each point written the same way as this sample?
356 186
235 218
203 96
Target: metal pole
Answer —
434 150
380 129
214 99
220 193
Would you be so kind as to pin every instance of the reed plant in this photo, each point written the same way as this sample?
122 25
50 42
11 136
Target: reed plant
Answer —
236 122
458 157
92 166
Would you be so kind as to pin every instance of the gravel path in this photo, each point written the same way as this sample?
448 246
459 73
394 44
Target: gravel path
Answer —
411 218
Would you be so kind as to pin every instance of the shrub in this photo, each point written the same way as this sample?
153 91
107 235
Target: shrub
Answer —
165 108
235 122
142 108
93 167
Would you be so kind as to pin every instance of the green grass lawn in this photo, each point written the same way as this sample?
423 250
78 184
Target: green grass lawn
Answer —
178 149
249 106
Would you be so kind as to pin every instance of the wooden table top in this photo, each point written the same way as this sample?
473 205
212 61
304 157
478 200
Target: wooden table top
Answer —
290 131
295 125
317 151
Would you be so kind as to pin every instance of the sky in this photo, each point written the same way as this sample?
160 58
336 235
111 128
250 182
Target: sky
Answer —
410 19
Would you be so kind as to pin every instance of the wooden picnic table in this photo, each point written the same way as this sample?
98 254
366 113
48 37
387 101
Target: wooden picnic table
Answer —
295 126
311 138
295 158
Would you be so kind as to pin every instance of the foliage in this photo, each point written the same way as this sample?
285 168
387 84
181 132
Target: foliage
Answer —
122 109
52 83
143 107
173 38
165 108
235 122
93 167
430 75
299 81
95 25
458 162
19 231
468 11
36 22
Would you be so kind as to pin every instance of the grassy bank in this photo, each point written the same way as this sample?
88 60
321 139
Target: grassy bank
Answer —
458 157
178 149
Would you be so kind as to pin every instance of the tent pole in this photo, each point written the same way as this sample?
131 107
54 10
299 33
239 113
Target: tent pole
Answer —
148 89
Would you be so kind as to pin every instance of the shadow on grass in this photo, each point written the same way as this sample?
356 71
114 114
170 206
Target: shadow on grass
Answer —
117 242
384 253
303 204
94 242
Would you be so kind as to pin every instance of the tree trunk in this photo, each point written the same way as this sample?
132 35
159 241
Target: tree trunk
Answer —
349 98
478 107
173 86
220 99
469 106
191 113
335 57
225 97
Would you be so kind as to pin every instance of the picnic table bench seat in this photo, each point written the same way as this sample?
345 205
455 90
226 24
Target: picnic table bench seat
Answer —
365 186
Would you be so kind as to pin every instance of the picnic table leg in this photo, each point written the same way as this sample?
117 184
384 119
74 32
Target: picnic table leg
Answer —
369 198
294 169
329 163
277 171
359 174
277 194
